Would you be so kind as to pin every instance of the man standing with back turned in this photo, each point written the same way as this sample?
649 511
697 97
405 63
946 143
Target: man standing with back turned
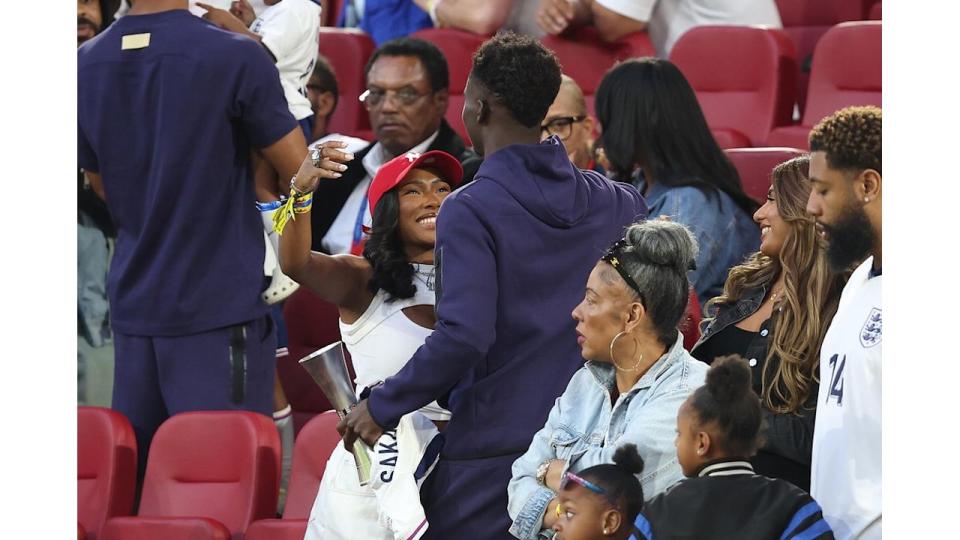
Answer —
514 249
169 107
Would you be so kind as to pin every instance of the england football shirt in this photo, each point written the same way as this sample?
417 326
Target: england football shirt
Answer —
291 31
847 458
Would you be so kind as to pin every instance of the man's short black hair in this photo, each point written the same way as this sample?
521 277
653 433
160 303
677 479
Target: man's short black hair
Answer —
521 72
428 54
326 78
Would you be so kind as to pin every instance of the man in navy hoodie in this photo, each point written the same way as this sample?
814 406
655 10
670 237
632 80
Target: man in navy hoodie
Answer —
514 249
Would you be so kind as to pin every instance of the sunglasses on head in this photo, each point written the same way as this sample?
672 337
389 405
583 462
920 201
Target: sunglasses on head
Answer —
569 478
612 256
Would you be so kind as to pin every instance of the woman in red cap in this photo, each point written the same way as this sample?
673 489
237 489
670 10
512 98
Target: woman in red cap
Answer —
385 298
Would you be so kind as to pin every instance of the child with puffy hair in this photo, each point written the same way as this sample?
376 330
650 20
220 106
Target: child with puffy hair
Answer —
602 501
718 429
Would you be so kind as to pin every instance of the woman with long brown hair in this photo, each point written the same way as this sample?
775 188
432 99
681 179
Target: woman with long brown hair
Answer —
774 311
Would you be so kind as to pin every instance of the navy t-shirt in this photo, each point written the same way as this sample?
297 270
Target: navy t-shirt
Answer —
169 107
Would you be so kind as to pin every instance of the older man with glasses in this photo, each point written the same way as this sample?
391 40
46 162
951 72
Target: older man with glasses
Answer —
568 119
406 97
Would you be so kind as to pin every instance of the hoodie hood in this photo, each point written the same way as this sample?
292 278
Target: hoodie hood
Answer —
542 179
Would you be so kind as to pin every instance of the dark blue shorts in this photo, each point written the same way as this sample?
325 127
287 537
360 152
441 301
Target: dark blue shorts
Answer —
224 369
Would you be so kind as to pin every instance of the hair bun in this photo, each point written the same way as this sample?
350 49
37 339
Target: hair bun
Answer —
628 458
663 243
729 378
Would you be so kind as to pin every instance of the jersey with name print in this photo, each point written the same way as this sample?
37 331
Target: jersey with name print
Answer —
291 31
847 459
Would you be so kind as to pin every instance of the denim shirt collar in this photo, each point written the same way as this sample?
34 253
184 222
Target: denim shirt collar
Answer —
606 374
656 193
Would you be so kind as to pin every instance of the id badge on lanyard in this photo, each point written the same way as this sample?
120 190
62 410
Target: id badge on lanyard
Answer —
356 245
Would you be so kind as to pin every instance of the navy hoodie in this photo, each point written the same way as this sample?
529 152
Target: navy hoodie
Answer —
514 250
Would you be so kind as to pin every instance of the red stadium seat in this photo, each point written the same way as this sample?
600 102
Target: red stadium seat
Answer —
875 13
457 47
846 71
586 58
315 443
755 165
277 529
744 78
311 324
220 469
170 528
106 468
332 13
690 325
348 50
806 21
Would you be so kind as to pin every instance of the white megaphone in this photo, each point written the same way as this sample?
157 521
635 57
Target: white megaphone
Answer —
328 367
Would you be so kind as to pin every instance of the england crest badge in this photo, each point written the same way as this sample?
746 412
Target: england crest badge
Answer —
871 332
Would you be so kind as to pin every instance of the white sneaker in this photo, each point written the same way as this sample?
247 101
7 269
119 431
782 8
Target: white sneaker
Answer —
281 286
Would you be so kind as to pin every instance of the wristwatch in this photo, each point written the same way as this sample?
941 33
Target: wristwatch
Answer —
542 472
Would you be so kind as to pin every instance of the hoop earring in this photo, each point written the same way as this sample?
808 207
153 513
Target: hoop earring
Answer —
614 359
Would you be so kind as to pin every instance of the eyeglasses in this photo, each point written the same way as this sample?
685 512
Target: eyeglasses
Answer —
373 97
561 127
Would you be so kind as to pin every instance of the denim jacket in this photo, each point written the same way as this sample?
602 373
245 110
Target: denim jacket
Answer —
585 430
788 437
724 232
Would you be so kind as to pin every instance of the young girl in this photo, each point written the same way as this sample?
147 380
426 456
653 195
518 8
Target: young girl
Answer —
718 429
602 501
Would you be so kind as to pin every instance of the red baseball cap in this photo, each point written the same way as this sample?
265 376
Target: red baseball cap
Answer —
391 173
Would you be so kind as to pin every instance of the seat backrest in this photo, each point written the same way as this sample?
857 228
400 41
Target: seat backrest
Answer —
744 77
457 47
805 21
312 324
315 443
690 324
755 166
222 465
106 467
846 70
876 12
586 58
348 50
332 14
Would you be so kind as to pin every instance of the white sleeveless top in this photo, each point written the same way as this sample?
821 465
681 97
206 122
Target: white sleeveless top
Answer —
383 339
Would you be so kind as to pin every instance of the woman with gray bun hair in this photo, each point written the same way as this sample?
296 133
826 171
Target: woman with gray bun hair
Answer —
636 376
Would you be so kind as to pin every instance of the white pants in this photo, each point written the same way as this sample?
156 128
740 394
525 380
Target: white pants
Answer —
344 510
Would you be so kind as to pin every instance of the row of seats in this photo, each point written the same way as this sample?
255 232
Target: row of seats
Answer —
806 21
744 77
210 474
